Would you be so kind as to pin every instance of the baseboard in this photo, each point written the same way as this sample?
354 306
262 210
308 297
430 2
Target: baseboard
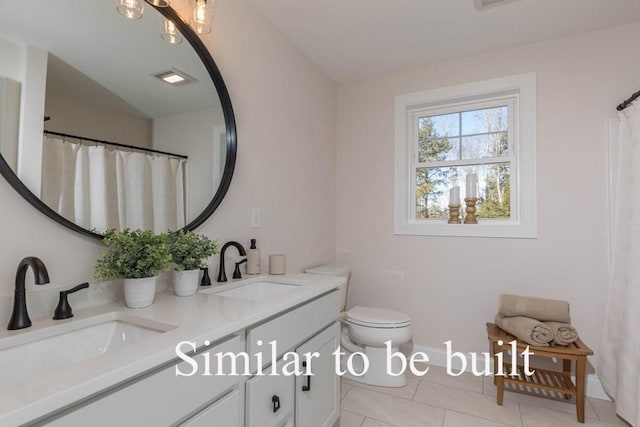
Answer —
438 357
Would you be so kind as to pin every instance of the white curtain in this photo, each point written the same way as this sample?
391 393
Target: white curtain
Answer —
619 362
99 188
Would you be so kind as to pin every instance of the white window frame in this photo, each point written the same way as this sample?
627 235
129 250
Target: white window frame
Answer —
521 89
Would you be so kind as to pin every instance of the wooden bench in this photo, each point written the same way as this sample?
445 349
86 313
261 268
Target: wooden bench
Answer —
542 379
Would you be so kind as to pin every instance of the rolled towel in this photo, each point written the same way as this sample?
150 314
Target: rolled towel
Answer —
543 309
563 333
526 329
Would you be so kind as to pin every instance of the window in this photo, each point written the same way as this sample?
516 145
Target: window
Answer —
444 136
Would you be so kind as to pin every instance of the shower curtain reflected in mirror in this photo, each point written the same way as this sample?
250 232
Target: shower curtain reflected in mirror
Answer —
80 182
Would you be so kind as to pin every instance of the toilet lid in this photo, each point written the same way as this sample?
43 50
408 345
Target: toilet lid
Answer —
377 317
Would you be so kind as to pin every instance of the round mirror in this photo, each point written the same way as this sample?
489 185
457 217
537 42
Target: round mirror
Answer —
112 122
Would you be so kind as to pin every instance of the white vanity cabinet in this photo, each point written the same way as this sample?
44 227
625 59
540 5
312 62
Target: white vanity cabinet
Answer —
291 328
161 398
270 400
224 412
311 400
158 398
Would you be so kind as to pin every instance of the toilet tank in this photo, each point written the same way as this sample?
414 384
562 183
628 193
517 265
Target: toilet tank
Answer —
338 271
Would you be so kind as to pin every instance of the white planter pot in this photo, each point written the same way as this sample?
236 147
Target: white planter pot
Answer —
139 293
185 283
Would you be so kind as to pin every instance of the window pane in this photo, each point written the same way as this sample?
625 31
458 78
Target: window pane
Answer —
444 125
485 121
432 192
494 190
433 146
479 146
494 194
438 149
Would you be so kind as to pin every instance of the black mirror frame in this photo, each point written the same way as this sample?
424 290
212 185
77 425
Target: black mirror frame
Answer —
229 120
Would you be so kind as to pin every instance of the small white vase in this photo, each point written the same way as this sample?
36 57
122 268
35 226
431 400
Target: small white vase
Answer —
139 293
185 283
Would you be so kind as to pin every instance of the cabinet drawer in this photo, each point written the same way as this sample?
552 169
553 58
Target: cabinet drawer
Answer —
156 399
292 328
270 400
225 412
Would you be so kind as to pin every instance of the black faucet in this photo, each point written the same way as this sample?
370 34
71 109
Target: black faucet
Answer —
20 316
222 276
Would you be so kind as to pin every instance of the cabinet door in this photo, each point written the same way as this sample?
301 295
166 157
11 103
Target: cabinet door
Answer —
270 400
225 412
318 395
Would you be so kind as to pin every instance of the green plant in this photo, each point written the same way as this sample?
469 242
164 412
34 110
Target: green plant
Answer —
189 250
133 254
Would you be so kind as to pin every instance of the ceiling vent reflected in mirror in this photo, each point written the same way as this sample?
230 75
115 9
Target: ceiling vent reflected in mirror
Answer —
175 77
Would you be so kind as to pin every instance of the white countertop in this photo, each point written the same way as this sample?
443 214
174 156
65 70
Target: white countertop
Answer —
204 316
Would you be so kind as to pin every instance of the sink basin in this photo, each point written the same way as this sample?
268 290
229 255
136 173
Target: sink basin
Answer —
31 354
258 290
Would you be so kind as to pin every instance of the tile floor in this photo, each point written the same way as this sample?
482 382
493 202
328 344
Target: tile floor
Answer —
438 399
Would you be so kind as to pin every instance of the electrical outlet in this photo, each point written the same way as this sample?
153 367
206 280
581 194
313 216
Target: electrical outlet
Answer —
255 218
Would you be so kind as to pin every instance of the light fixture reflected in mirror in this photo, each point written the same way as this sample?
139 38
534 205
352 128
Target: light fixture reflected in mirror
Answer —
132 9
159 3
201 17
170 33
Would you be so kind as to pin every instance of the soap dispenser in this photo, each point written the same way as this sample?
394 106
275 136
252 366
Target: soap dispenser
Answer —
253 259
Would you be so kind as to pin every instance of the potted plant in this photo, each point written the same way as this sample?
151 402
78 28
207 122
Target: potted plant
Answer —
137 256
188 252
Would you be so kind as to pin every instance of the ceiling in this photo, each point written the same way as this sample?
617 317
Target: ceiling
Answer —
350 39
117 56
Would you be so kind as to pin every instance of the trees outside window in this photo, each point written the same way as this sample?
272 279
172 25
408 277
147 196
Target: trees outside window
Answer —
452 145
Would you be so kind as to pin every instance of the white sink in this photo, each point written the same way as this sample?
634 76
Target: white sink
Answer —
31 354
258 290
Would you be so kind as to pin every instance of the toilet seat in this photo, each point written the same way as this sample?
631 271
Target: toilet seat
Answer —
377 318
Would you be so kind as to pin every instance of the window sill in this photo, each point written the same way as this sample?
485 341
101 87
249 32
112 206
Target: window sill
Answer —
486 228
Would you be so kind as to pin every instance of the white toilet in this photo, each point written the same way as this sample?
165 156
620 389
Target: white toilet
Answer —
366 330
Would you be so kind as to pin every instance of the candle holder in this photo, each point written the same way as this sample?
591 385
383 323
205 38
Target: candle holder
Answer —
454 214
470 217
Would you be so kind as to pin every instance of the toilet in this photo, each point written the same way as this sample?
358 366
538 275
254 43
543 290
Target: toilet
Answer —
365 330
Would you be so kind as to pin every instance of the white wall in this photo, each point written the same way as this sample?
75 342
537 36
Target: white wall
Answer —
77 116
286 161
448 285
34 72
9 120
192 134
28 66
10 68
11 60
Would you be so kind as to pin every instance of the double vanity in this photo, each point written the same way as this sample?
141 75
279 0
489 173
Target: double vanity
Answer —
109 365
